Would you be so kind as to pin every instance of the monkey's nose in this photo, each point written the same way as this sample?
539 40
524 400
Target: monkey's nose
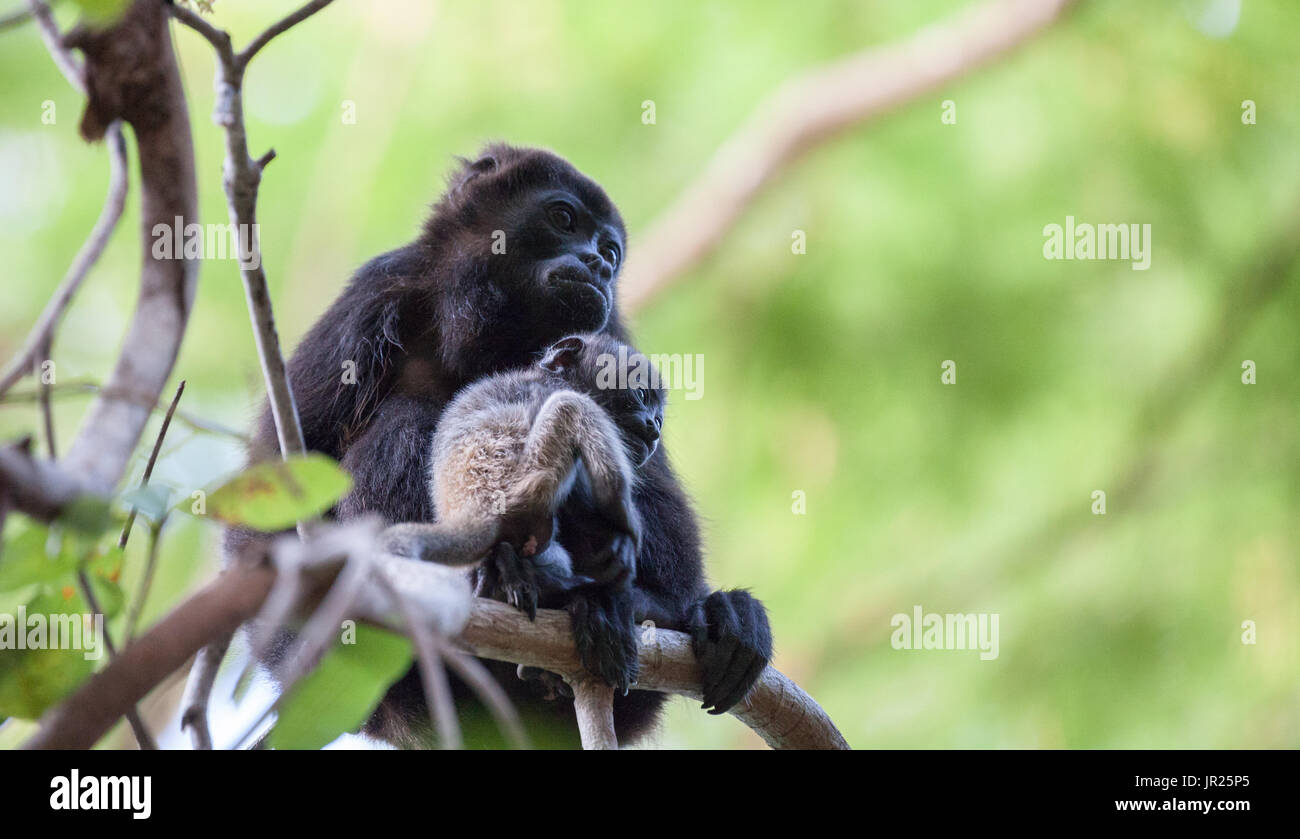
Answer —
651 433
597 265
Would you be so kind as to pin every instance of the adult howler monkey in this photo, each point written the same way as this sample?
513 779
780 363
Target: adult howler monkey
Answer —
521 250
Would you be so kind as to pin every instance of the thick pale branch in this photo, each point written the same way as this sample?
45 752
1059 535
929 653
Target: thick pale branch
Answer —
131 75
593 705
777 709
810 109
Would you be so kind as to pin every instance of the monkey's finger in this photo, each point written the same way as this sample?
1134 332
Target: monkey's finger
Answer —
714 681
724 626
741 687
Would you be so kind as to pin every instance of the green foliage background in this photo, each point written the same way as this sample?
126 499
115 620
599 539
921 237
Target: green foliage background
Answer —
822 370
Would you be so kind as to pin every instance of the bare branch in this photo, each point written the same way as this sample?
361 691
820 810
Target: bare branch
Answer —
148 468
433 678
811 109
213 612
777 709
67 64
142 736
81 265
38 488
146 582
195 422
479 680
132 75
198 689
47 413
284 25
593 703
242 176
17 17
219 38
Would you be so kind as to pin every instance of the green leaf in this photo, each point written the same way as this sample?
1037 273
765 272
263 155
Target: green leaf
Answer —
11 600
340 694
26 560
32 680
28 564
86 516
104 572
150 500
277 494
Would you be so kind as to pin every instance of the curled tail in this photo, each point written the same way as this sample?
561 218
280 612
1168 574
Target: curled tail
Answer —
447 543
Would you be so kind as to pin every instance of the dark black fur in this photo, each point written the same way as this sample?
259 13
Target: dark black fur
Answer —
422 321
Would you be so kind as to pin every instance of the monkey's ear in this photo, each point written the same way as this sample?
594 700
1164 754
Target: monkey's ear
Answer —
486 163
469 170
563 354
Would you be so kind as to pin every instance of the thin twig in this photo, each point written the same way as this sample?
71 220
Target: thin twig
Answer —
194 421
198 690
217 37
67 63
146 582
288 22
242 176
148 469
489 692
17 17
89 254
47 413
433 676
142 736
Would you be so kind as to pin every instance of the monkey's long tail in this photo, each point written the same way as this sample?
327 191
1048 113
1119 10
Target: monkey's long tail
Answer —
448 543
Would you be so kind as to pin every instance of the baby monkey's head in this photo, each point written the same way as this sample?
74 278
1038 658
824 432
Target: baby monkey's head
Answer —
621 380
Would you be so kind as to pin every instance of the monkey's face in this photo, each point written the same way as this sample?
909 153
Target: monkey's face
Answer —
639 414
568 257
621 380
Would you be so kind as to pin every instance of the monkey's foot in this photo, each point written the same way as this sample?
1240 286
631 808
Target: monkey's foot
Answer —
605 635
733 643
552 684
507 576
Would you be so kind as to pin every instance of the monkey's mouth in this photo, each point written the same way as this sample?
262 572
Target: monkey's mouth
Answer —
645 451
570 275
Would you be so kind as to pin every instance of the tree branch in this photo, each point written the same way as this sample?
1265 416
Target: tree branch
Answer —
287 23
776 709
811 109
593 705
42 332
242 176
131 75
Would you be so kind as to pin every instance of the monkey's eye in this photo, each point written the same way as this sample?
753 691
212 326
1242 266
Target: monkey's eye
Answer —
641 394
562 217
610 252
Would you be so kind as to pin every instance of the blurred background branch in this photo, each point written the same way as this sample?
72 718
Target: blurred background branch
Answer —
810 109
